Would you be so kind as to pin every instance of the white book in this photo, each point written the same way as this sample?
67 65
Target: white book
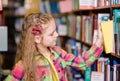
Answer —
97 76
3 38
102 17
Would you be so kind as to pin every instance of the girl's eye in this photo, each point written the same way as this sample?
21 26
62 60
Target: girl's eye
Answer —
52 34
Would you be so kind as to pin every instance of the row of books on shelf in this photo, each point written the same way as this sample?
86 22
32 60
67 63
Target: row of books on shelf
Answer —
78 27
85 28
63 6
102 65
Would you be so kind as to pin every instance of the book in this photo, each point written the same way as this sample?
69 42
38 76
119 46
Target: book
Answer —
61 26
3 38
86 4
32 6
102 17
45 7
95 28
97 20
118 73
88 74
65 6
54 7
107 31
116 15
76 4
107 71
97 76
78 28
88 29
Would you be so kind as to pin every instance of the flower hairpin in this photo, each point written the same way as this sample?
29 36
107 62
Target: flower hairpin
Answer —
36 30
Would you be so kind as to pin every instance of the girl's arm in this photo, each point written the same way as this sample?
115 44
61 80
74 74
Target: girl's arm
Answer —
89 57
79 62
17 73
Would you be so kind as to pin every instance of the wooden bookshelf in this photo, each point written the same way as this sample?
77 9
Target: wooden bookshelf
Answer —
98 9
88 10
115 55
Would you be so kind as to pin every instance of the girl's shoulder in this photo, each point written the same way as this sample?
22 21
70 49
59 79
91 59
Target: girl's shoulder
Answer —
18 66
59 49
18 70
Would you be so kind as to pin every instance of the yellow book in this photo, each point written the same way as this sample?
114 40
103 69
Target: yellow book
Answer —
108 35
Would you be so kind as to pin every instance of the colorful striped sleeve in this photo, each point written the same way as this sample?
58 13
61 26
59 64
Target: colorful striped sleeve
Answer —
70 59
11 78
90 52
89 57
92 57
17 73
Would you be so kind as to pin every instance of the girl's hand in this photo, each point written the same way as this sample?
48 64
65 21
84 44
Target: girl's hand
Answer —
99 41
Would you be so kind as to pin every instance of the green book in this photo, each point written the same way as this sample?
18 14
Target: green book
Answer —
76 4
88 74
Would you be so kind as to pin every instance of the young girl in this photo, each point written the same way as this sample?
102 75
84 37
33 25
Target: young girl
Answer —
38 59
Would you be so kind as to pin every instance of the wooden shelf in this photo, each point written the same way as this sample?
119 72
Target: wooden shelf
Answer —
87 10
85 43
117 56
53 0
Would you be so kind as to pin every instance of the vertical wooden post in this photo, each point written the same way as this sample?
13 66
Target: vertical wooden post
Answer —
32 6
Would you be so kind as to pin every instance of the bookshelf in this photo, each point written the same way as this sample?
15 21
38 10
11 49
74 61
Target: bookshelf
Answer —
91 11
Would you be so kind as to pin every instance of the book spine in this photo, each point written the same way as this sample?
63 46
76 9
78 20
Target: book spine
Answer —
88 74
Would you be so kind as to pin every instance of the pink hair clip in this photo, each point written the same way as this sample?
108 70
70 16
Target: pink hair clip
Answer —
36 30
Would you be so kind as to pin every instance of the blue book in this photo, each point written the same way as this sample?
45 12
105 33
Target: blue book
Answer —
54 7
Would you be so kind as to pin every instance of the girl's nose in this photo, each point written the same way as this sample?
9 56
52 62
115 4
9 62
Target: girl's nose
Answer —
56 34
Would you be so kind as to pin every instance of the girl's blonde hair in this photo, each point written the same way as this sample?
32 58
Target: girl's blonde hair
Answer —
27 49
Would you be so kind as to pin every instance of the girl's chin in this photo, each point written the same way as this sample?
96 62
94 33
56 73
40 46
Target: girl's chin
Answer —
53 44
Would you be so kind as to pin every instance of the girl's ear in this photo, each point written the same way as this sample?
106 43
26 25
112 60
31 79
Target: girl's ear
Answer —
37 39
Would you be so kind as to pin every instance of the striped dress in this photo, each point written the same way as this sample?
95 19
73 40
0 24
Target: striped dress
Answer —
61 59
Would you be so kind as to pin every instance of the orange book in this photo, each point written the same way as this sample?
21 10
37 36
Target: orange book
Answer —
98 66
83 28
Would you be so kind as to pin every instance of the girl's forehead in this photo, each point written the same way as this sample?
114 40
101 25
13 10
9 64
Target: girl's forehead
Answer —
49 27
50 24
